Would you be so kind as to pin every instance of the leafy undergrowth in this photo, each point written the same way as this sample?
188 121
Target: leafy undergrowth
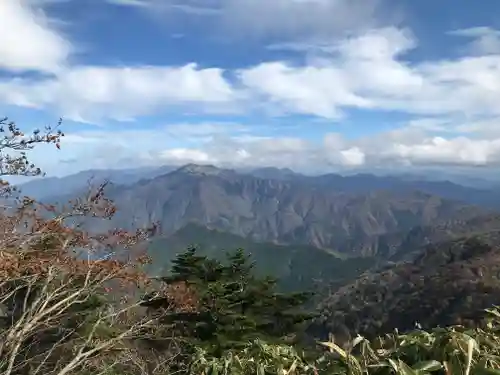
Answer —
450 351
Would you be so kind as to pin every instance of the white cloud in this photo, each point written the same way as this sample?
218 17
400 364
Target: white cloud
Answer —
402 148
365 71
303 155
413 146
353 157
101 149
292 19
205 130
485 39
454 151
485 128
309 90
28 41
186 155
134 3
277 19
127 146
368 71
237 152
480 127
93 93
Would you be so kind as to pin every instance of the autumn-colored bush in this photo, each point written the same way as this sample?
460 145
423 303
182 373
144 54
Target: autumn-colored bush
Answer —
63 310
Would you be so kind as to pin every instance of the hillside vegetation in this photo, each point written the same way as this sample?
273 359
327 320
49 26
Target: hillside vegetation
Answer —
448 283
297 267
64 310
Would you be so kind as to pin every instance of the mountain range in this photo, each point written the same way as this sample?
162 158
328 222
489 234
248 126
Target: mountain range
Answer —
383 251
467 189
77 183
360 215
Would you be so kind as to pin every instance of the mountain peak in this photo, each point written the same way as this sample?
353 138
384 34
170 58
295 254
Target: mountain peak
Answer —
275 170
201 170
274 173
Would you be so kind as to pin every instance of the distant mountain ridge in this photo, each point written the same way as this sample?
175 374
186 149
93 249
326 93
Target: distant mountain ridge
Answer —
355 183
296 211
44 187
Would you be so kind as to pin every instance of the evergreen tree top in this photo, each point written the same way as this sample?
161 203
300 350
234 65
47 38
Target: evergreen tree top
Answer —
234 306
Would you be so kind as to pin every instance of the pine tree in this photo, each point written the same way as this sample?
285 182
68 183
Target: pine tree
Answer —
234 306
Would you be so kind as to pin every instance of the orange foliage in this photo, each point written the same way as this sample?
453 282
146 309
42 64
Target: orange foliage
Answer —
36 237
181 297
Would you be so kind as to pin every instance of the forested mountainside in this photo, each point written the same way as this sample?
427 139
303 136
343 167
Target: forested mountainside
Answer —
405 245
284 212
296 267
447 283
303 266
424 279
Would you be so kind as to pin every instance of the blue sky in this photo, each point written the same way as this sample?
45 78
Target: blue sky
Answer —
306 84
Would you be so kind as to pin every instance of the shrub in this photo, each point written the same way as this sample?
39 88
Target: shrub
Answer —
58 315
